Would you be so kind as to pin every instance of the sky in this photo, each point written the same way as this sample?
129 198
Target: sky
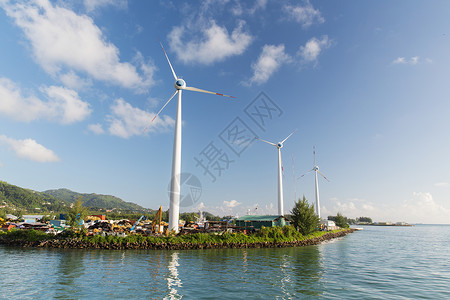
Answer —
365 82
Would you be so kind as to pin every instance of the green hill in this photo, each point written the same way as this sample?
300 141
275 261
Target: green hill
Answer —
95 201
14 199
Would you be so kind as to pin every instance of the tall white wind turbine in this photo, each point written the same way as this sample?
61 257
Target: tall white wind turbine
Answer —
279 145
180 85
315 169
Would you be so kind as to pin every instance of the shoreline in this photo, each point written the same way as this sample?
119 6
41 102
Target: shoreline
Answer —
79 243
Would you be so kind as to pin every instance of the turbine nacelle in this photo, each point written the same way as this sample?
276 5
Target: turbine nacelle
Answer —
280 145
180 84
316 168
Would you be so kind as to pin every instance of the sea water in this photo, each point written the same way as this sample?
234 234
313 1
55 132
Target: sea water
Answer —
375 263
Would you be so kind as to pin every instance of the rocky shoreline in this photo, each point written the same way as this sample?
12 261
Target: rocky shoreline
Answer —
78 243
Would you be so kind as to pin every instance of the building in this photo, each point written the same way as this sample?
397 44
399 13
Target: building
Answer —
59 223
329 225
32 218
256 222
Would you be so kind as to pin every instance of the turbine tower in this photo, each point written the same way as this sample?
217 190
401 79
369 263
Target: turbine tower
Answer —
180 85
315 169
279 145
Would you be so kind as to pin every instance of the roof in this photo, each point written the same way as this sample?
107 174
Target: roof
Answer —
259 218
33 216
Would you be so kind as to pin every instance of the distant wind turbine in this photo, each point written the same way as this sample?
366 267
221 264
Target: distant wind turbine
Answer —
180 85
279 145
315 169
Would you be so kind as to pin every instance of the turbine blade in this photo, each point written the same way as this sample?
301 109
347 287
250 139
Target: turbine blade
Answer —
190 88
289 136
164 106
305 173
265 141
323 175
173 72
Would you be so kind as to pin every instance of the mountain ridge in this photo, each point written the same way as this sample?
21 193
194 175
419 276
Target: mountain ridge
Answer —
58 200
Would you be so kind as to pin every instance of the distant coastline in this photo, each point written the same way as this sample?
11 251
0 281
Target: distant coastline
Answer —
402 224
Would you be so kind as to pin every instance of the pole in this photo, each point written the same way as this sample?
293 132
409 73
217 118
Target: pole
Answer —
174 210
280 185
317 194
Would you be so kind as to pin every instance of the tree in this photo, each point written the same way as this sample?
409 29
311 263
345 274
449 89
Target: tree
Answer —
2 213
341 221
364 220
77 213
304 218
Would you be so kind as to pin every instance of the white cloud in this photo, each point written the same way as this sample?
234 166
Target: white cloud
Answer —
63 105
96 128
92 5
422 208
353 208
269 61
62 41
240 8
412 61
306 15
213 44
72 80
399 60
442 184
30 149
66 105
231 204
201 206
259 5
312 49
126 120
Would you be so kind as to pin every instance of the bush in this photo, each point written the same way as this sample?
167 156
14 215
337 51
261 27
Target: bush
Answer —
341 221
304 217
30 235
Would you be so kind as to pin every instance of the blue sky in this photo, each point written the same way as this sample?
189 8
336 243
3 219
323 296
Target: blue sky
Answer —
365 82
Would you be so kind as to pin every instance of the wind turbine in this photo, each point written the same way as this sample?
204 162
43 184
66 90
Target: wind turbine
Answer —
315 169
279 145
180 85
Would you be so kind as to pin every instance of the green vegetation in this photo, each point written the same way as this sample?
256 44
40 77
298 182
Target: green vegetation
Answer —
15 198
360 220
341 221
304 217
26 235
273 234
77 213
364 220
95 201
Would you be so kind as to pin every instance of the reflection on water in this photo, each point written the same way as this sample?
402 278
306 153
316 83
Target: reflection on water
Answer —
173 282
285 269
308 271
70 269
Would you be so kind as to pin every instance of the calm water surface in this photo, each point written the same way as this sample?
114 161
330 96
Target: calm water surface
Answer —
376 263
